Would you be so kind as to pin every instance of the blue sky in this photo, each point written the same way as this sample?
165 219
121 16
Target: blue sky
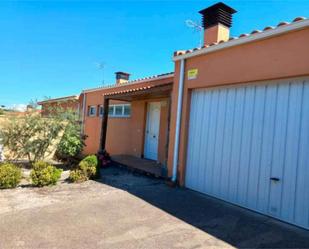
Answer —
50 48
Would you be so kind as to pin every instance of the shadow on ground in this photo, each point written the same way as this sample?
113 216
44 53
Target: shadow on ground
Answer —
237 226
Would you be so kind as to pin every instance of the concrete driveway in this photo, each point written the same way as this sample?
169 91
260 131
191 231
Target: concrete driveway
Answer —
133 211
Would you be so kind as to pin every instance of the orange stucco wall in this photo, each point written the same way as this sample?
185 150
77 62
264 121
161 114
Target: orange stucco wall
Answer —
125 135
274 58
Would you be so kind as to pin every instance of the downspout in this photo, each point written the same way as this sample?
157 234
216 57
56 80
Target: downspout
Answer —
83 115
178 119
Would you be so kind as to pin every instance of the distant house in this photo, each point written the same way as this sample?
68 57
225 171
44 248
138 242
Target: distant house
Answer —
66 103
232 121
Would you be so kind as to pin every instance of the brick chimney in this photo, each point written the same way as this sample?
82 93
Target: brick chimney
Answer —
122 78
217 20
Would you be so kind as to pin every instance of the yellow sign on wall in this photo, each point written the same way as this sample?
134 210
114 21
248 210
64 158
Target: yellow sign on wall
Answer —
192 74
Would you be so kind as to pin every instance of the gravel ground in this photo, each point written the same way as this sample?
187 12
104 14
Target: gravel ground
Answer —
125 210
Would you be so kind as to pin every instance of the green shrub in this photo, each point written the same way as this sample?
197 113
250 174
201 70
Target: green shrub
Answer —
44 174
77 175
89 165
71 143
87 169
10 175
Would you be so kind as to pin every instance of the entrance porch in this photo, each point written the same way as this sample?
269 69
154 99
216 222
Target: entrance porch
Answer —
140 164
146 129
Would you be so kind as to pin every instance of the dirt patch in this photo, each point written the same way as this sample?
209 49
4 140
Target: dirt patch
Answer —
23 198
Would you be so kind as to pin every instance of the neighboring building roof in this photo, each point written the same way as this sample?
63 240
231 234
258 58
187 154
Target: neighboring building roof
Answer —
283 27
62 99
131 82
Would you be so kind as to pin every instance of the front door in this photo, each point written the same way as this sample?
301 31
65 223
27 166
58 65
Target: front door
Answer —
152 130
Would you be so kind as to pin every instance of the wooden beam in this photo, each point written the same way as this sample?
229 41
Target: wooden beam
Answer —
169 110
104 126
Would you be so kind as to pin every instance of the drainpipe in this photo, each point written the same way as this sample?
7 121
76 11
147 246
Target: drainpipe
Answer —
83 115
178 119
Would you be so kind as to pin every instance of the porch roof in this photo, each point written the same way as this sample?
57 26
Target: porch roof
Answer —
143 92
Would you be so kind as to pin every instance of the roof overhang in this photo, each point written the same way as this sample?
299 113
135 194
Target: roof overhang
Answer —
246 39
141 93
133 82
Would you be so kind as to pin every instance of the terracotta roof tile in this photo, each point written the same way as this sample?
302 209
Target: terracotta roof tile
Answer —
214 43
268 28
282 24
243 35
140 80
181 52
256 31
300 18
131 90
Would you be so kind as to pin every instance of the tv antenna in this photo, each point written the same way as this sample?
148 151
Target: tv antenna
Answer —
101 66
196 27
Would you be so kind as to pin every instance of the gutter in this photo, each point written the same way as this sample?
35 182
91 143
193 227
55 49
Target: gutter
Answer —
251 38
178 119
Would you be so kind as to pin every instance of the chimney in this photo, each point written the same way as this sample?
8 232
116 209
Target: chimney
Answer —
217 20
122 78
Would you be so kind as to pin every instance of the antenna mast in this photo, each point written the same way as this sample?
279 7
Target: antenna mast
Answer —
196 27
101 66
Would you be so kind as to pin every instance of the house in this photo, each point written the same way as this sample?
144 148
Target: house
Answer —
231 122
138 117
239 126
71 103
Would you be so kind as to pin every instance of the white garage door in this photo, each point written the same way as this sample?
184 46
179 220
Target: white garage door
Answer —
249 145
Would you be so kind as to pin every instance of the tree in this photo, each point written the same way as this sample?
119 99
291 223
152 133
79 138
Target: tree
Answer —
35 137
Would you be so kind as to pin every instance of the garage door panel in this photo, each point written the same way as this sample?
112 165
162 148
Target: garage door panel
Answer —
219 141
267 148
281 116
236 144
199 115
291 154
204 138
227 144
241 137
301 214
212 137
245 154
256 147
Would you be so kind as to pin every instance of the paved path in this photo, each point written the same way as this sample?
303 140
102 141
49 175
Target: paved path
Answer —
132 211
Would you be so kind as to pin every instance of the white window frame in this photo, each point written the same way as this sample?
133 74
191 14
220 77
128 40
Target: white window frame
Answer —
122 115
89 111
101 107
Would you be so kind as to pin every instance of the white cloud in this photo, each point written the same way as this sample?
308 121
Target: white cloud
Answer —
18 107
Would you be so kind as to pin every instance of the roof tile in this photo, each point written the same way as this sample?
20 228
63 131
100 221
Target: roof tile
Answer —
300 18
282 24
181 52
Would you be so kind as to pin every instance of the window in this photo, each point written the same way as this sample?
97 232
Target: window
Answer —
92 111
111 110
101 110
119 110
127 110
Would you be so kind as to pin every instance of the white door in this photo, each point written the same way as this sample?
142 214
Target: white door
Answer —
152 130
249 145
